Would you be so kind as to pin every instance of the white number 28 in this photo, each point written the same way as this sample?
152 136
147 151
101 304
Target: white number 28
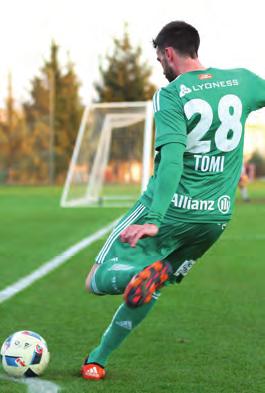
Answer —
229 113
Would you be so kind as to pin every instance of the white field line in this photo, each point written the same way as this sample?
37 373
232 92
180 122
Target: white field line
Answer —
35 385
47 267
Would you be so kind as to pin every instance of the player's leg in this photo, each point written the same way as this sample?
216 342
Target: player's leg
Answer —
113 279
112 276
140 289
90 281
119 273
124 321
243 182
109 254
192 240
198 241
244 193
116 264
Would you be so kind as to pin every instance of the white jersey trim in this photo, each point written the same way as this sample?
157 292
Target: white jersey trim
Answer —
156 101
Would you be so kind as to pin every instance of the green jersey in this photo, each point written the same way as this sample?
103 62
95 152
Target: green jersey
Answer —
206 111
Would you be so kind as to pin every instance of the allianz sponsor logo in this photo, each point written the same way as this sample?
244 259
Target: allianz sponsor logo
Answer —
186 202
224 204
184 90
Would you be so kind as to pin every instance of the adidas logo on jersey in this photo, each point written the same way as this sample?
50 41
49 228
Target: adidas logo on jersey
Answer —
125 324
184 90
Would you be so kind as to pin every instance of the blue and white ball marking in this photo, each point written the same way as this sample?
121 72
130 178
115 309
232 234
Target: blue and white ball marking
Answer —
25 354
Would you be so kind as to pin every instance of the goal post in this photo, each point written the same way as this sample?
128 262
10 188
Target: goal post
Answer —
112 157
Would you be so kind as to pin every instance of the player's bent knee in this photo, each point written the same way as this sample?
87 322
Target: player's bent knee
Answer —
89 280
88 284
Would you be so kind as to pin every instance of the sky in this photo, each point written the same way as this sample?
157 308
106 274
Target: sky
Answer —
232 35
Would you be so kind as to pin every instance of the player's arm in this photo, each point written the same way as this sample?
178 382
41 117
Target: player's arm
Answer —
171 141
166 182
171 135
168 176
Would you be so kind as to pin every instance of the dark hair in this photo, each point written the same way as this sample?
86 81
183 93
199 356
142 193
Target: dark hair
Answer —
180 36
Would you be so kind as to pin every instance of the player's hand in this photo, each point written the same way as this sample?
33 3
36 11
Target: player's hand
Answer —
133 233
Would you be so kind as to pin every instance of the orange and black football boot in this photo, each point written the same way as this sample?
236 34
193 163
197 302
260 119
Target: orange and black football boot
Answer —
140 289
92 371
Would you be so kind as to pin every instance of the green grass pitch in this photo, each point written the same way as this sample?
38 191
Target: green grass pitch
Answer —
206 335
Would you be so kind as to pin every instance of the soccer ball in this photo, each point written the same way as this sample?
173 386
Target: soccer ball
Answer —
24 354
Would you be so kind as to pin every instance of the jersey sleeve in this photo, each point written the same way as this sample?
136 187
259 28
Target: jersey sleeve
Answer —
169 118
257 91
166 181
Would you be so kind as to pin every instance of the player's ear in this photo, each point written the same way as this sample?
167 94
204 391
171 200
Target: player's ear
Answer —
169 53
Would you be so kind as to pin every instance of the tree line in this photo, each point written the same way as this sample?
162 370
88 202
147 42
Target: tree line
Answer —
37 140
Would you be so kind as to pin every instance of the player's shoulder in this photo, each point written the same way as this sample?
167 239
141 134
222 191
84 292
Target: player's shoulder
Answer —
232 73
189 82
166 96
242 75
239 71
236 70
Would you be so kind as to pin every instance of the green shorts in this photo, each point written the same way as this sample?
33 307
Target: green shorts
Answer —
179 243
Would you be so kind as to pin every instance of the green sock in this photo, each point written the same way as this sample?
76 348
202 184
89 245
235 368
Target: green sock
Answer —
124 321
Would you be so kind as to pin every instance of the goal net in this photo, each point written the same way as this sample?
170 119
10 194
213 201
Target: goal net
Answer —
111 161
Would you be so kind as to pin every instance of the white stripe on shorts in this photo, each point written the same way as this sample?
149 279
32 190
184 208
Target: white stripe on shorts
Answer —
117 229
115 234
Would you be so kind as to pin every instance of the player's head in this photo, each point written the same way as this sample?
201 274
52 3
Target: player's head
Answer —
177 40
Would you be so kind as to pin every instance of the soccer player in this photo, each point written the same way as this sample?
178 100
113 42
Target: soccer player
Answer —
243 183
200 117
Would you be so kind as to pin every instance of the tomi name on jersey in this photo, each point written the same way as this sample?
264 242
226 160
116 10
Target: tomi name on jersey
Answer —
206 163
